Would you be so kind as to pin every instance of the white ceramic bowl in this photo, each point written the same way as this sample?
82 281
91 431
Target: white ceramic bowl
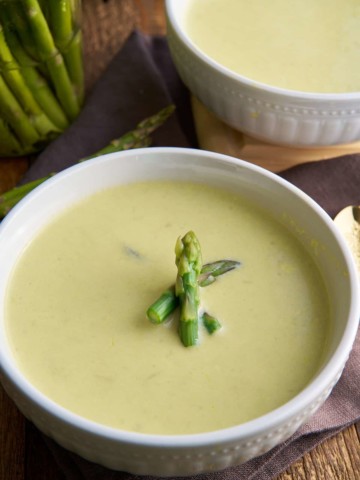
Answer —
184 454
269 113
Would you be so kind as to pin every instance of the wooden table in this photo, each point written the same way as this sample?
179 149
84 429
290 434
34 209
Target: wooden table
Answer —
23 455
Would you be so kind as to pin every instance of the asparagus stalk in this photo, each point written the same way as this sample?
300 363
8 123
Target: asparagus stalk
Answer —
143 130
150 124
159 311
210 271
10 198
34 80
61 22
189 263
211 323
15 81
13 114
44 7
9 143
15 12
50 55
68 41
137 138
74 63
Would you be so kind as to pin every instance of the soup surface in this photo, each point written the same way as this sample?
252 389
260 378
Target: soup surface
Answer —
77 300
306 45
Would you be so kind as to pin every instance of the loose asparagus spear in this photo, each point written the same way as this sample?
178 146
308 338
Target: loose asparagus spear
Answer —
10 198
143 130
50 55
189 263
211 323
137 138
159 311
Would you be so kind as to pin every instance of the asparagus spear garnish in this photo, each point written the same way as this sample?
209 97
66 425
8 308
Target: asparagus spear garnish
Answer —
189 263
137 138
51 56
210 271
211 323
159 311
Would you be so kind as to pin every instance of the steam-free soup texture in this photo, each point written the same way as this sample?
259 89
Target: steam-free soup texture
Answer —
306 45
78 295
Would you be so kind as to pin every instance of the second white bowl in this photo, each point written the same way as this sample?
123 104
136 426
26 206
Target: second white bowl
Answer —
269 113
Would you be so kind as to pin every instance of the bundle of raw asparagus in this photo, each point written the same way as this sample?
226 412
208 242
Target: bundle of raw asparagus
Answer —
41 72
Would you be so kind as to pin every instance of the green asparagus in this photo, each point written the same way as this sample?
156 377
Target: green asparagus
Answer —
15 13
137 138
211 323
142 131
9 199
210 271
13 114
68 41
189 263
15 81
41 69
52 58
9 142
160 310
36 82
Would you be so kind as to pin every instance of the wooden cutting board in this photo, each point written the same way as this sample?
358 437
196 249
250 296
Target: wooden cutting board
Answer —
216 136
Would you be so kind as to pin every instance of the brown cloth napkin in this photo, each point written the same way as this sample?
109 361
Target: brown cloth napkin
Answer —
140 81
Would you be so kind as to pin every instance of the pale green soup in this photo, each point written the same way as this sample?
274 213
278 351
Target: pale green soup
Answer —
76 307
306 45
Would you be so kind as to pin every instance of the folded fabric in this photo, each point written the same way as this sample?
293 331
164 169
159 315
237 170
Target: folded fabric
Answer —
140 81
131 89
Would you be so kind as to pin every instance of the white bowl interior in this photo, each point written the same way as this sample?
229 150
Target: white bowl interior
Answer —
177 14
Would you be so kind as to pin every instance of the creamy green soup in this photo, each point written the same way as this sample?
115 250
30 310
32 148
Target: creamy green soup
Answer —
76 304
306 45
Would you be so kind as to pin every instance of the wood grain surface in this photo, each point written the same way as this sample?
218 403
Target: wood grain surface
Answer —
23 455
216 136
